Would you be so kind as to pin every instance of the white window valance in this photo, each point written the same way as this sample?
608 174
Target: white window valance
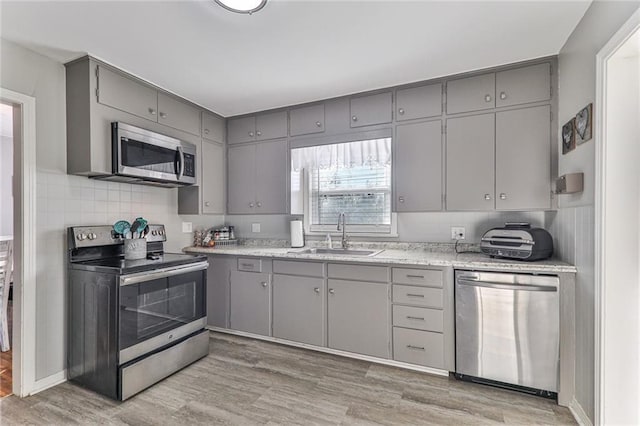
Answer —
374 152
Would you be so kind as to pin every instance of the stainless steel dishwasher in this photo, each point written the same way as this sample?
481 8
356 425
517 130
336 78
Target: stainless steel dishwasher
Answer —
507 328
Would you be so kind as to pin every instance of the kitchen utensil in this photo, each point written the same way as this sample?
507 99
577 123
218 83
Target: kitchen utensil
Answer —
135 226
145 231
138 226
121 227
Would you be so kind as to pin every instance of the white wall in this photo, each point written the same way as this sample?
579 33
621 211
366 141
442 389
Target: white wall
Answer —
6 196
573 225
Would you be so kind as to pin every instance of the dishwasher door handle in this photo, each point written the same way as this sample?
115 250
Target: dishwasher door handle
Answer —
503 286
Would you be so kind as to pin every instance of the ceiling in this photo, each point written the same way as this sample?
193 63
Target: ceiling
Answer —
291 51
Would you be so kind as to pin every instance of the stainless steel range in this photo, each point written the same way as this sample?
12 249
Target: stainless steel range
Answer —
132 323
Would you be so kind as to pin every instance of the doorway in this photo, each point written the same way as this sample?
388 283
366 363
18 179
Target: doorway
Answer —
618 228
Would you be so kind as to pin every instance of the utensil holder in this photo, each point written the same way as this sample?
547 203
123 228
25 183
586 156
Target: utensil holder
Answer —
135 248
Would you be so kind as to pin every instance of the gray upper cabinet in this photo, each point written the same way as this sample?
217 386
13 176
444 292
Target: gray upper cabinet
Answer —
358 317
212 127
470 162
306 120
523 85
250 302
212 183
241 129
371 109
523 158
120 92
298 306
177 114
471 94
272 125
419 102
418 171
257 178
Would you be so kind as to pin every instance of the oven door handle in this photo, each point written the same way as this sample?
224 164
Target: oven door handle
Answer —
180 162
162 273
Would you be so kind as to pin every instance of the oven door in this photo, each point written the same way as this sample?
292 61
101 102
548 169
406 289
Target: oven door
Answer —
152 156
159 308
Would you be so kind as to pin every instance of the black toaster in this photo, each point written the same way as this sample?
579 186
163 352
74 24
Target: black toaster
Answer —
517 241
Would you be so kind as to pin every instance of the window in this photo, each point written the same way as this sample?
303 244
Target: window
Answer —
352 177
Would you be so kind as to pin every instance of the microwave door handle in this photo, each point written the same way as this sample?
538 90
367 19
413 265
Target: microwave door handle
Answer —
180 162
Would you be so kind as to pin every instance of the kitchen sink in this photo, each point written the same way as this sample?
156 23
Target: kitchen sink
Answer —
339 252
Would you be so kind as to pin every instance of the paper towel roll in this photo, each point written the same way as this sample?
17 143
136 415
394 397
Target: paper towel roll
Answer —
297 234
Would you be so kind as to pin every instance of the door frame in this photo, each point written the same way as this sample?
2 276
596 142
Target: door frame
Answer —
24 190
602 57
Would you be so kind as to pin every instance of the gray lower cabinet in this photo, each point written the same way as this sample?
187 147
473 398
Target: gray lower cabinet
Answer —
418 347
218 276
471 93
298 306
371 109
418 171
523 85
419 102
358 317
250 302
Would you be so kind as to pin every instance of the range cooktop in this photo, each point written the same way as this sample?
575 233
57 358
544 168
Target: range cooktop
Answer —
118 265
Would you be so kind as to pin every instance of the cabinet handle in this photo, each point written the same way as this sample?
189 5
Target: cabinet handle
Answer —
207 204
163 115
247 265
152 111
415 276
259 204
263 284
503 95
503 196
415 318
401 199
206 131
332 291
251 134
487 197
317 289
259 133
319 124
417 348
401 111
251 205
487 98
415 295
354 118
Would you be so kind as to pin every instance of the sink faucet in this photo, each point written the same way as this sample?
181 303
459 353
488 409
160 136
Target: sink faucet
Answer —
342 217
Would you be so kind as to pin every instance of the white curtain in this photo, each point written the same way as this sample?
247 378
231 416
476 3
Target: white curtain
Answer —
342 155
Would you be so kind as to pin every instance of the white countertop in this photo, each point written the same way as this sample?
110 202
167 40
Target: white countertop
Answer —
399 257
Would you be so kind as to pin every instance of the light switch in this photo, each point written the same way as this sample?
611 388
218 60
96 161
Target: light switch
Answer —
255 228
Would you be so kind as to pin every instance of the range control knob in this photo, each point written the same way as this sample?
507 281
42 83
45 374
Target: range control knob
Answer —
154 232
81 237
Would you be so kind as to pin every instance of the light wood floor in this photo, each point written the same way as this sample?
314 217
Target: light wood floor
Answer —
245 382
6 359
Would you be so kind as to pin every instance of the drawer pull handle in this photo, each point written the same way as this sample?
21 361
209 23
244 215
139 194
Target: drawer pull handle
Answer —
415 276
415 318
415 295
247 265
417 348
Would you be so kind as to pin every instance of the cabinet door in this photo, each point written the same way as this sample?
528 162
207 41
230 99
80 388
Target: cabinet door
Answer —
470 162
372 109
471 94
418 171
419 102
218 276
271 126
177 114
523 85
358 317
241 174
125 94
212 177
523 159
306 120
212 127
297 309
241 129
249 302
271 177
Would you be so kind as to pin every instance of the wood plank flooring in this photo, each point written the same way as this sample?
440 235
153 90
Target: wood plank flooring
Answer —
6 359
246 382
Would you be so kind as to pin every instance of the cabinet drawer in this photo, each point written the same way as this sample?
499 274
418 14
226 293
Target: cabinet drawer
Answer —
417 318
359 272
420 296
306 120
177 114
212 127
249 265
523 85
310 269
471 94
370 110
427 277
419 102
418 347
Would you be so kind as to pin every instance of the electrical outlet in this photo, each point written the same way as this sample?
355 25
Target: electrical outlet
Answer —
255 228
187 227
457 232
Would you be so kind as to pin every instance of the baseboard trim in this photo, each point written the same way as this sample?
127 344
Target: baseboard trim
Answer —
579 414
49 382
372 359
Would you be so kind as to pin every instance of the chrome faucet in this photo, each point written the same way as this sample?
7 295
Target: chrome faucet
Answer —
342 217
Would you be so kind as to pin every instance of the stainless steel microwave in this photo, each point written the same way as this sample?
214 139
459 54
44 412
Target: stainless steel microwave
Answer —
145 157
